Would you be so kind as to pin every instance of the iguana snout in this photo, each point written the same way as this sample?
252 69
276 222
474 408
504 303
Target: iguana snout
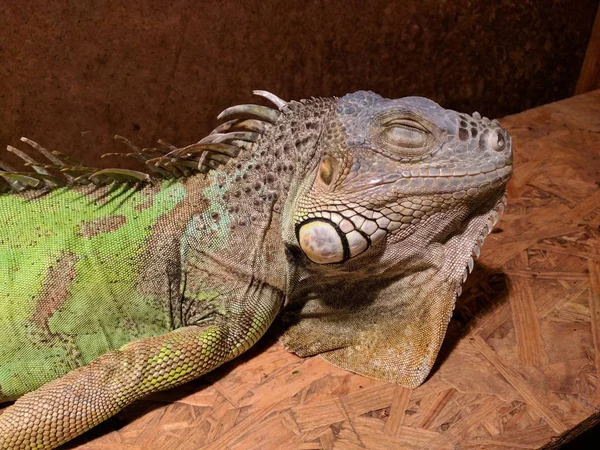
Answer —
388 166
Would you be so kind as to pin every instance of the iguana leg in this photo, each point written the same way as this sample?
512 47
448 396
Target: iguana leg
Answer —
66 407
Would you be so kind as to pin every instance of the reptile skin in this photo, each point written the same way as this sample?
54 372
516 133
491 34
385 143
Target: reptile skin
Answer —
356 218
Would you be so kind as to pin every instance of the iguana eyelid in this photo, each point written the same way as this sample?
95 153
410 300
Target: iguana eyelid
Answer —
406 123
405 136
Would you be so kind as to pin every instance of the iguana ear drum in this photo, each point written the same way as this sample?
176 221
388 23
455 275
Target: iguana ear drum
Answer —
323 242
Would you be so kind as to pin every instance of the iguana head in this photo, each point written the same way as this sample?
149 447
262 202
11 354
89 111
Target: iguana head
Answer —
383 226
390 166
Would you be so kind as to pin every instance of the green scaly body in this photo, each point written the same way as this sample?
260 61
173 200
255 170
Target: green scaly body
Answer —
71 287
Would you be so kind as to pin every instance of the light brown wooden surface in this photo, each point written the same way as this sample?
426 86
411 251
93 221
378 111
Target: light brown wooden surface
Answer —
520 364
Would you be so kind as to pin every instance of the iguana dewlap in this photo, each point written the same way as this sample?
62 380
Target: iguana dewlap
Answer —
357 217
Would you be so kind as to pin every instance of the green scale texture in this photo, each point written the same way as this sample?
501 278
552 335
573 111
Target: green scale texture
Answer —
69 263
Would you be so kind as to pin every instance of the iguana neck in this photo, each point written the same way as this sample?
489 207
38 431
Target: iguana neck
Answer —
241 227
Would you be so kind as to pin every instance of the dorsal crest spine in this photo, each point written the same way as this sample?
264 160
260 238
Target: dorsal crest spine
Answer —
244 125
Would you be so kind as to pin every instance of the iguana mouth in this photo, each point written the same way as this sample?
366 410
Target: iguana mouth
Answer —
496 175
459 172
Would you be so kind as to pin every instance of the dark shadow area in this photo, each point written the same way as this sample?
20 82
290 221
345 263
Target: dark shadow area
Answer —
588 440
586 435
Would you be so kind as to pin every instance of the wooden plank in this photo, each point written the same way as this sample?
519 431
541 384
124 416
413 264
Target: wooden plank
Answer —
594 269
516 381
549 302
398 411
525 318
457 432
554 275
438 403
589 77
584 208
566 251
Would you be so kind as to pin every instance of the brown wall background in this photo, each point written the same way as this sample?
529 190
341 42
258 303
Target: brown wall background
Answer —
74 73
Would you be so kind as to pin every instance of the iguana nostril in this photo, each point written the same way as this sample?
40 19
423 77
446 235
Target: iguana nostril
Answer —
497 141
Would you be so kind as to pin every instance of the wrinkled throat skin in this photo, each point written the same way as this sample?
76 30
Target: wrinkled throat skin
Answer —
382 233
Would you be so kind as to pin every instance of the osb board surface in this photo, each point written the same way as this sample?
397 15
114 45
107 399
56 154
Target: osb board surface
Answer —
74 74
518 369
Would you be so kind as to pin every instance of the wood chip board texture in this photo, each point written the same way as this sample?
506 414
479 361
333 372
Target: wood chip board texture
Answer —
519 368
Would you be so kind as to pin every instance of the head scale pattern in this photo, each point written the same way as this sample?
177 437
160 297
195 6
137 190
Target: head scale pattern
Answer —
395 164
391 211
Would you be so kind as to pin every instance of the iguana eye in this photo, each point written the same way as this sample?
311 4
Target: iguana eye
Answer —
406 134
403 137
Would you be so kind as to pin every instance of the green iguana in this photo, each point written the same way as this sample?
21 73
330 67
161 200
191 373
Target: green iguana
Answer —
357 217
